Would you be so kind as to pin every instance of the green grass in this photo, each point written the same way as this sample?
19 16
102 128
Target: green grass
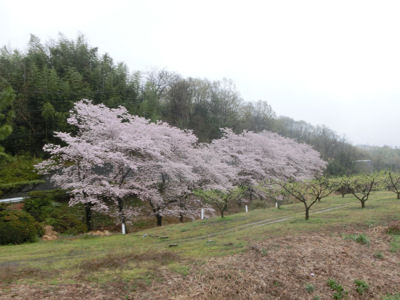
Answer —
395 243
97 259
359 238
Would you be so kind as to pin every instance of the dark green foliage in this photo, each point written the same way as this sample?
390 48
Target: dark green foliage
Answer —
17 226
57 195
18 174
338 288
7 97
46 80
39 208
18 168
15 187
65 221
50 207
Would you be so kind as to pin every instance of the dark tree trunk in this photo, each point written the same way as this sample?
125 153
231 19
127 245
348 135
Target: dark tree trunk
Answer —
88 216
343 195
398 195
159 220
307 213
362 204
222 213
181 218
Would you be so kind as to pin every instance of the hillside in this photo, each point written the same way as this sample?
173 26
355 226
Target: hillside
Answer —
266 253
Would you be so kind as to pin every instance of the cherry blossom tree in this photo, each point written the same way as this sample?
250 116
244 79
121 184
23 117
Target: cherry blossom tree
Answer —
257 156
114 156
71 168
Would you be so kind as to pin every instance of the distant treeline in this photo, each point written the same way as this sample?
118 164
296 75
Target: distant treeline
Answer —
47 79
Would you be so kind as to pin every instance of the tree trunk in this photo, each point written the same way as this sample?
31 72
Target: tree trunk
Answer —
122 216
222 213
343 195
398 195
88 216
159 220
123 225
181 218
307 213
362 204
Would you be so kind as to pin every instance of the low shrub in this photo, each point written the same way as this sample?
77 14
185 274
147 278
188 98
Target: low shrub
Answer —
309 288
17 226
39 208
359 238
340 293
63 221
361 286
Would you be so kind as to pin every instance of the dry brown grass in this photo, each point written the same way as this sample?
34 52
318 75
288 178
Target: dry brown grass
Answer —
394 227
116 261
279 268
10 273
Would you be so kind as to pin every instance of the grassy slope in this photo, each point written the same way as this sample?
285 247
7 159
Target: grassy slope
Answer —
137 257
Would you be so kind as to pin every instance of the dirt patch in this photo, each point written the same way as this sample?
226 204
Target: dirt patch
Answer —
10 273
115 261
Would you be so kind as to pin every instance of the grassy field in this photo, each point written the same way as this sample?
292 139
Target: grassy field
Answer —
137 261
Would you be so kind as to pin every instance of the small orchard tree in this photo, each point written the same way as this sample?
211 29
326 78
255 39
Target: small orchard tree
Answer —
392 182
271 192
362 185
308 192
343 185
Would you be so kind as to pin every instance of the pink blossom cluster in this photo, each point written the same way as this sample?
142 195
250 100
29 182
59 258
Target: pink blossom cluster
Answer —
113 155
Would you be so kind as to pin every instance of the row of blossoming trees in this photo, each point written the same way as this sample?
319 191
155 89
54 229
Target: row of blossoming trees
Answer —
112 157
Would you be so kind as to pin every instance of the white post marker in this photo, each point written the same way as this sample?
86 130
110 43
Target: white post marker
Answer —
276 204
246 208
123 228
202 213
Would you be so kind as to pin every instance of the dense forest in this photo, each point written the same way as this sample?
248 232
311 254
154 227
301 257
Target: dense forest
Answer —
39 86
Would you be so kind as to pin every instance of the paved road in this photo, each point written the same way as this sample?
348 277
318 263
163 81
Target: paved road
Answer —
12 200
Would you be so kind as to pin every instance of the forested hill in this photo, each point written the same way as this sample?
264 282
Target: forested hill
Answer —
44 81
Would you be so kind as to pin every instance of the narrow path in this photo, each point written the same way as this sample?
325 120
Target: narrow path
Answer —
255 224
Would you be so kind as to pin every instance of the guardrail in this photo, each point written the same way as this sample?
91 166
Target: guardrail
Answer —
12 200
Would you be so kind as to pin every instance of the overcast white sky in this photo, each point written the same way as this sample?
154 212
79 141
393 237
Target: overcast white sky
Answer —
326 62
